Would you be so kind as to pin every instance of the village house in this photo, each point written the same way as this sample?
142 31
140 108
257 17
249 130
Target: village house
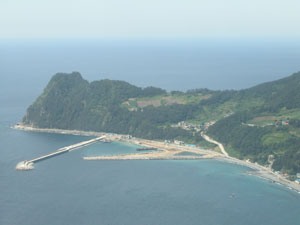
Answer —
178 142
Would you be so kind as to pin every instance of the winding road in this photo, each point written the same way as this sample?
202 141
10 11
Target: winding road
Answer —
215 142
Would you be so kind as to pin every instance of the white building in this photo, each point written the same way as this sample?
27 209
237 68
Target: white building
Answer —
178 142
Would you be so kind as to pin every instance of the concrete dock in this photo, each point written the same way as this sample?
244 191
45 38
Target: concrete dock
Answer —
28 164
164 152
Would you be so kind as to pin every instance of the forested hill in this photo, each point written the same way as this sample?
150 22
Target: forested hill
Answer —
253 123
277 94
269 130
70 102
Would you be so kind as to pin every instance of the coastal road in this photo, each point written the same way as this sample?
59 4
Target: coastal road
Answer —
215 142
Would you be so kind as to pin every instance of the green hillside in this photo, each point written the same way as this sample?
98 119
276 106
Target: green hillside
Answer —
253 123
70 102
272 128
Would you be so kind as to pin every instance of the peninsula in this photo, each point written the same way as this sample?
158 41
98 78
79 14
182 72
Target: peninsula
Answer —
259 125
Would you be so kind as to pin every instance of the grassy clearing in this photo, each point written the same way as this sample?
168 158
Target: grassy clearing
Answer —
268 118
275 137
295 131
160 100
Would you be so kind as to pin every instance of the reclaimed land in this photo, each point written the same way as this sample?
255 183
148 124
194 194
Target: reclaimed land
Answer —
171 152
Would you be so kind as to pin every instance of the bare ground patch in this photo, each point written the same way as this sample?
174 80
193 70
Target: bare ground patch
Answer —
168 100
263 118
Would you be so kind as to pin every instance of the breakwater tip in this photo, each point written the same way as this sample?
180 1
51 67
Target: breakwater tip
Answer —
24 165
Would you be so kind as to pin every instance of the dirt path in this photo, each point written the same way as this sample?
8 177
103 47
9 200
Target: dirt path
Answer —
215 142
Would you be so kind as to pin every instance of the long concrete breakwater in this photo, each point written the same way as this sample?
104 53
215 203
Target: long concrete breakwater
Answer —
169 151
28 164
150 156
165 152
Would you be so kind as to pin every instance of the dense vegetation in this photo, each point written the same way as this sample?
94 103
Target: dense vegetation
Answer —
268 129
257 143
70 102
252 123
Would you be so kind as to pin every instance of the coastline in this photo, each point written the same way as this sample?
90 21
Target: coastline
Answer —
259 170
169 152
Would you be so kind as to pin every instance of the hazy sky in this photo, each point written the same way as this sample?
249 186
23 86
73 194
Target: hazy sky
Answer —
150 19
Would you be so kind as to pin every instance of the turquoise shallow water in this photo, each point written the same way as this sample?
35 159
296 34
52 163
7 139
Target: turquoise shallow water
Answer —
110 149
68 190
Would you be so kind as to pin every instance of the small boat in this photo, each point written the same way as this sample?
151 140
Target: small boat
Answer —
233 195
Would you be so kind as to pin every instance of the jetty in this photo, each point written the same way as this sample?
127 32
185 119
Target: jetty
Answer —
150 156
29 164
166 152
146 149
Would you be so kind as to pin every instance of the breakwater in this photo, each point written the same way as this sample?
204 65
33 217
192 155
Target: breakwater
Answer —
29 164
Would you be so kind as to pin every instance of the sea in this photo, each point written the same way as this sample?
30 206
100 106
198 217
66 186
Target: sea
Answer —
67 190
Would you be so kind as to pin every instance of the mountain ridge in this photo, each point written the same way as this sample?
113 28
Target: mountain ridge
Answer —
70 102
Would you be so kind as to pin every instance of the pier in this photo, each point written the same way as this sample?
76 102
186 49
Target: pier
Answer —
28 164
146 149
167 152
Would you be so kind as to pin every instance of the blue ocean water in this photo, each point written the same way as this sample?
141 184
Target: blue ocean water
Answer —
68 190
26 66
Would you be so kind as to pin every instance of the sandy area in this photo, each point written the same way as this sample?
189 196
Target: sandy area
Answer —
171 151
